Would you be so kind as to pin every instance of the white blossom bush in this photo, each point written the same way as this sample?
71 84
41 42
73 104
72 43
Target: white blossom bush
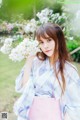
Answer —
44 15
29 45
31 26
5 26
59 19
2 39
7 47
24 49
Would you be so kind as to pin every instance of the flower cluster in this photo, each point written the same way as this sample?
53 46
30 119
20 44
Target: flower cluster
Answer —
31 26
29 46
6 27
7 47
58 19
44 15
26 48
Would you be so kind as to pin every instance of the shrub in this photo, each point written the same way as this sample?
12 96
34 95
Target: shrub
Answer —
72 45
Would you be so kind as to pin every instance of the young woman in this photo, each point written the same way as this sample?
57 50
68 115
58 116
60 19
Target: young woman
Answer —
49 83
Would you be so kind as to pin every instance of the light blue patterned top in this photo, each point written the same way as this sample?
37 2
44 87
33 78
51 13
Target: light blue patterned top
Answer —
43 82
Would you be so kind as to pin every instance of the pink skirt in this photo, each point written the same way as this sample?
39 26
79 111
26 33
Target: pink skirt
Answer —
45 109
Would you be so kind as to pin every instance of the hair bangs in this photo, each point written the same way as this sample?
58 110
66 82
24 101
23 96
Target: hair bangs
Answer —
41 34
46 33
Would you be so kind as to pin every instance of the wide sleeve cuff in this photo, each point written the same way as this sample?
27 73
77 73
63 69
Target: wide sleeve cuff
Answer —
18 81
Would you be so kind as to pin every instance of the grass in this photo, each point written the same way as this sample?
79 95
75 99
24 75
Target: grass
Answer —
8 73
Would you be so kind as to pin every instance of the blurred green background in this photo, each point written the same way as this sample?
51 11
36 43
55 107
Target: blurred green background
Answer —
15 10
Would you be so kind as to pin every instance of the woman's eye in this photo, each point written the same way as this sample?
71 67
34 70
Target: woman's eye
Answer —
49 40
41 43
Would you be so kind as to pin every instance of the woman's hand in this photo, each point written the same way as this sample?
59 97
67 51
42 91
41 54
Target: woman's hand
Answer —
27 69
30 58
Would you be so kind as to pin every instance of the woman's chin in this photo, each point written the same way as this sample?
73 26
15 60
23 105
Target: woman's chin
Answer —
49 55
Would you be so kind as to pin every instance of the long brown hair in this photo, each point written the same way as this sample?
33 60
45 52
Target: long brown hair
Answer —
55 32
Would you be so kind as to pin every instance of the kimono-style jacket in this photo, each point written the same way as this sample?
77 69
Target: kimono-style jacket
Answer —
43 82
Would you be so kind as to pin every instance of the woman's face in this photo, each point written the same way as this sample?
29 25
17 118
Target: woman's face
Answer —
47 46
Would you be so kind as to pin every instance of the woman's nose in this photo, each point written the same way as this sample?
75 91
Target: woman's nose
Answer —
45 45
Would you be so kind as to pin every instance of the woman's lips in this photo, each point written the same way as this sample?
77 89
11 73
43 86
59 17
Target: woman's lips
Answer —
47 50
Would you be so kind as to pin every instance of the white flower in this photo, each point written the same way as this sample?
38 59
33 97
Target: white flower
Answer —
8 41
2 39
31 26
44 20
55 17
9 26
24 49
6 48
44 15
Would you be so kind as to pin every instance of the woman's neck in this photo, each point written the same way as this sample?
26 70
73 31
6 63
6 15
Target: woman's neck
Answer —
52 60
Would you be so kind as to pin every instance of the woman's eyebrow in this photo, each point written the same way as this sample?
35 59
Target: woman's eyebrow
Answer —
49 38
45 39
40 40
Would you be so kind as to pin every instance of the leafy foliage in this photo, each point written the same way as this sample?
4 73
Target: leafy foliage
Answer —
72 45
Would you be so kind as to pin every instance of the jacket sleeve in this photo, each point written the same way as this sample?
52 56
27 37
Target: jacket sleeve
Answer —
72 96
18 81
